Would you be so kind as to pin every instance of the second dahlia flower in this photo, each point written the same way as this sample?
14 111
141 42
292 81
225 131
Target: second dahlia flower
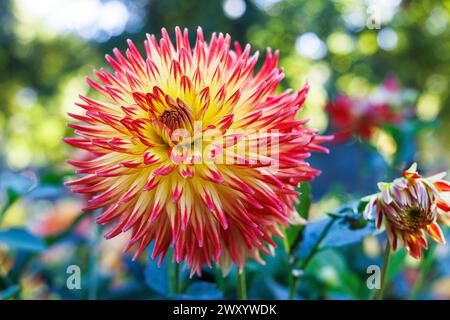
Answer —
412 206
356 117
193 149
351 116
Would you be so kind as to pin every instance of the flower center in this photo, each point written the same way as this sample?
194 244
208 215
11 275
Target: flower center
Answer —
179 116
415 217
171 119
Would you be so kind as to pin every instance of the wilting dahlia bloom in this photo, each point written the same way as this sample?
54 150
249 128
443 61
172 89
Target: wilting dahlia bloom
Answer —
410 207
193 149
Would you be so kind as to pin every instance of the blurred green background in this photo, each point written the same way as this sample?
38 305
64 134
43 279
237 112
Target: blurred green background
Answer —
48 47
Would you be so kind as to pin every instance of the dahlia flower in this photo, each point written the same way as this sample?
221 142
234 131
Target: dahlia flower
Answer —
410 207
361 117
194 150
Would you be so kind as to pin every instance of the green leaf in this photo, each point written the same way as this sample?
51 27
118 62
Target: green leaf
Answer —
344 227
11 197
305 200
18 183
293 233
314 234
10 292
331 269
347 231
21 239
14 186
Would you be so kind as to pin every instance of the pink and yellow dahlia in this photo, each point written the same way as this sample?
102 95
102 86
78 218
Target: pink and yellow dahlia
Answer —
410 207
193 149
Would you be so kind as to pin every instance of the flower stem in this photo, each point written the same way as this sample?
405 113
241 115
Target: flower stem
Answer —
170 273
295 274
387 256
93 263
173 269
293 281
177 280
425 267
241 285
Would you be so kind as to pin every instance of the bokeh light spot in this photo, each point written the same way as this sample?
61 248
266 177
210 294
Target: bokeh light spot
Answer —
234 9
311 46
387 39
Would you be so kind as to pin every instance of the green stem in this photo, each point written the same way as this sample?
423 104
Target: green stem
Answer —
286 244
219 279
295 245
173 269
293 282
387 256
93 263
170 272
241 285
292 286
425 267
295 274
175 283
177 278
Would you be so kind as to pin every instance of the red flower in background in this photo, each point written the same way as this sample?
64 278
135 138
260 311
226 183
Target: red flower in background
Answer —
363 116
